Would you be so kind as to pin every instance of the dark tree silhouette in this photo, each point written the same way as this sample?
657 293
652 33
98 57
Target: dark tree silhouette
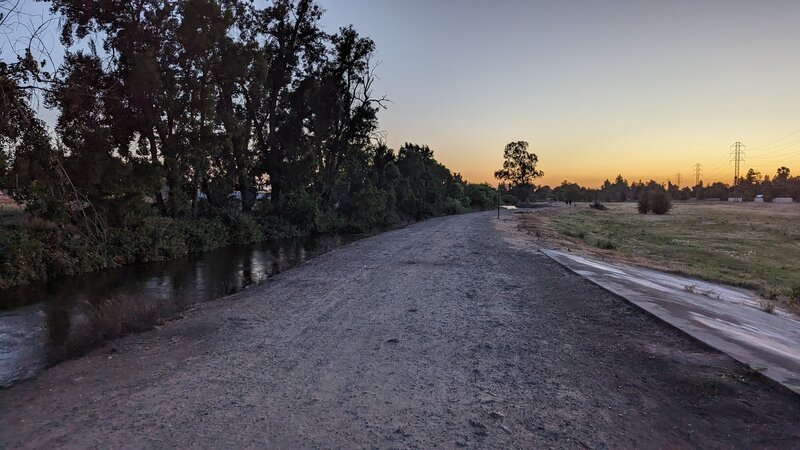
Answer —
519 168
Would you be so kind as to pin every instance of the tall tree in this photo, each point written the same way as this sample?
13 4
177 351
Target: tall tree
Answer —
519 168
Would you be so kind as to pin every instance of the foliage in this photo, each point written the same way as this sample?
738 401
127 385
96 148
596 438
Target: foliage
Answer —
168 140
657 201
519 168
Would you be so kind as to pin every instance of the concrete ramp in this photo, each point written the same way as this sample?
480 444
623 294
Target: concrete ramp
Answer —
728 319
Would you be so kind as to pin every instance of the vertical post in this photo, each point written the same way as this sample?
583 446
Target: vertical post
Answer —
498 201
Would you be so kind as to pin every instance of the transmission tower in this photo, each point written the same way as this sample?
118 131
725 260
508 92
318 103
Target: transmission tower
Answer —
737 157
698 173
678 179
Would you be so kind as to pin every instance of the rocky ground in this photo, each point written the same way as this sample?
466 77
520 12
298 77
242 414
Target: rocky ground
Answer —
445 333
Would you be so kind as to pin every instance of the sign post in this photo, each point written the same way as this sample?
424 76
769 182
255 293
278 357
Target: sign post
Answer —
498 201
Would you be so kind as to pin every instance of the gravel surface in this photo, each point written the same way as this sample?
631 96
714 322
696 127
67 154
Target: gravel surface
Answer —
444 333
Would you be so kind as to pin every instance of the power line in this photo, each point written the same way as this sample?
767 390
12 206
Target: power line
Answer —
698 173
737 156
775 141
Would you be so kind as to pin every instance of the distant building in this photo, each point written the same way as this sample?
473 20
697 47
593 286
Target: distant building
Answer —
782 200
735 199
759 198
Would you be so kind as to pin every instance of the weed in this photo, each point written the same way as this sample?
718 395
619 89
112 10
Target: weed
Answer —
606 244
794 294
580 234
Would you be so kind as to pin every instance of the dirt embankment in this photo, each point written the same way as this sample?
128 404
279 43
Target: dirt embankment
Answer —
439 334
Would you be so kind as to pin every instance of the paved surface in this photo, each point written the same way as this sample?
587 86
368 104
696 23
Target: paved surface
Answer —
725 318
444 333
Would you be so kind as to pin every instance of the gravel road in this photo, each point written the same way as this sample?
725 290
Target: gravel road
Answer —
444 333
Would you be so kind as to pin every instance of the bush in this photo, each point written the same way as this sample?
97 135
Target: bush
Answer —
22 258
660 202
509 199
481 196
644 203
302 209
794 294
606 244
576 233
245 230
655 201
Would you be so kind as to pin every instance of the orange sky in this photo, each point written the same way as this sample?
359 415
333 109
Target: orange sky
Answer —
645 89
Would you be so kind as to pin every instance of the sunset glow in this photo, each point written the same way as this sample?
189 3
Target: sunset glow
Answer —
645 89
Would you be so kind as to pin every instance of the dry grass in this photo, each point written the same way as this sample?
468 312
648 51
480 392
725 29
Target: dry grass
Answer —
751 245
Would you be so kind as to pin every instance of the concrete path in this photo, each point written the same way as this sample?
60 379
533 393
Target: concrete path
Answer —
728 319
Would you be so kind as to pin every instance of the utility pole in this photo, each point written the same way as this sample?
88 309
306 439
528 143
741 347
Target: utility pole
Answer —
698 173
737 156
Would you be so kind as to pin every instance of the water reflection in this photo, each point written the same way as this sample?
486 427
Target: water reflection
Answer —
41 325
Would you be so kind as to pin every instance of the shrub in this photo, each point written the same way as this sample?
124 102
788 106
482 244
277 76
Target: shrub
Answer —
509 199
245 230
22 258
794 294
660 202
302 209
576 233
644 203
205 234
655 201
606 244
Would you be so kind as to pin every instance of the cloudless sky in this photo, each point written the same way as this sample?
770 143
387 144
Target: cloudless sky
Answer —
642 88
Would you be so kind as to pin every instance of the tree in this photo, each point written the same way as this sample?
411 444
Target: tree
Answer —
519 168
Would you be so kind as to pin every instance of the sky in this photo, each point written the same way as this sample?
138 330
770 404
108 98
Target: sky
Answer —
643 88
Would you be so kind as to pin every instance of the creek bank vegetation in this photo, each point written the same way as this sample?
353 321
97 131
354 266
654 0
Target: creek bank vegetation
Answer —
185 126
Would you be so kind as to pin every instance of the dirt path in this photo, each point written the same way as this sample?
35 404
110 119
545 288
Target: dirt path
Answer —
437 334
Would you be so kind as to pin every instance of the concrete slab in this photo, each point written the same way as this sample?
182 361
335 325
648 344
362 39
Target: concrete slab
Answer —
726 318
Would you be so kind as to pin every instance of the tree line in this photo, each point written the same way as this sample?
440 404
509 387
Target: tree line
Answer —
188 125
167 108
753 184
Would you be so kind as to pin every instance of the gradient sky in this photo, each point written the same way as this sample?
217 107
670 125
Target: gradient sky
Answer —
642 88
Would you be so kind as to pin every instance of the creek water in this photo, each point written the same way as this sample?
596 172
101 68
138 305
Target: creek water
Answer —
44 324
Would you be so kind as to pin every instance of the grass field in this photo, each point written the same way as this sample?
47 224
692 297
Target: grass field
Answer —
750 245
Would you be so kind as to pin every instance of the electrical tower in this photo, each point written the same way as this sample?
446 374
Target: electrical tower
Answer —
678 179
698 173
737 157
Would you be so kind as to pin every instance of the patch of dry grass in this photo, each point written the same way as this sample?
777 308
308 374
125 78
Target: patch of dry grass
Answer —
751 245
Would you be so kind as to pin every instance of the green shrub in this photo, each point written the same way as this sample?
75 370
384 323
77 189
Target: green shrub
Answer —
509 199
644 203
205 234
794 294
246 230
655 201
660 202
576 233
22 258
606 244
301 208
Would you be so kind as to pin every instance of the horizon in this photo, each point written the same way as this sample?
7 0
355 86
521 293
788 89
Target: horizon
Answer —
653 88
644 91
